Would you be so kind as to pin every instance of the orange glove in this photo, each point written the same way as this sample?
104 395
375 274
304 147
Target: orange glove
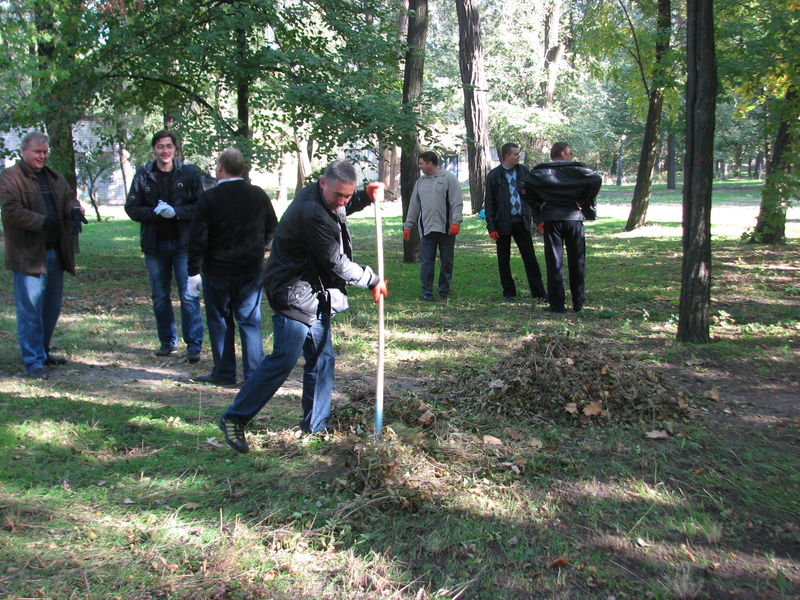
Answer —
495 235
454 229
540 227
406 235
379 290
374 190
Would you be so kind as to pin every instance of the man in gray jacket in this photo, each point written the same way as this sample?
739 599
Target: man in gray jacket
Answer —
435 207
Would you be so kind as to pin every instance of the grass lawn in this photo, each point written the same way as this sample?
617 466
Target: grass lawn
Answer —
525 455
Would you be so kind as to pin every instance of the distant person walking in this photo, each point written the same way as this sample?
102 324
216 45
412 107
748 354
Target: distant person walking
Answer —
435 207
228 240
162 199
507 218
41 220
563 193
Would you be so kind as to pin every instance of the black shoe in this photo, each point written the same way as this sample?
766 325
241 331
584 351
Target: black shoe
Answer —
234 435
55 361
215 380
193 355
577 307
543 299
165 350
553 309
37 373
428 299
508 298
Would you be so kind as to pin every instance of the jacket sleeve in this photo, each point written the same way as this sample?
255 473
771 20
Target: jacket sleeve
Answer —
134 203
14 211
198 236
490 201
456 200
412 217
326 254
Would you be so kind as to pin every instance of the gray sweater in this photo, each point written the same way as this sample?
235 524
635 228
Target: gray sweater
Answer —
428 205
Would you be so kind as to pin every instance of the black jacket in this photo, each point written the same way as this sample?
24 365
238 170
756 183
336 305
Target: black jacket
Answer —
184 189
497 204
311 259
231 229
562 191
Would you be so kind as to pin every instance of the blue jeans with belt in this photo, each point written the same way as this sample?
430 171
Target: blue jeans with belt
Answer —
289 339
233 299
37 298
167 260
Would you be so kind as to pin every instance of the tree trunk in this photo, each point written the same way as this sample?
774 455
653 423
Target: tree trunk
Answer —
701 95
780 185
553 53
303 163
412 88
476 112
644 174
671 167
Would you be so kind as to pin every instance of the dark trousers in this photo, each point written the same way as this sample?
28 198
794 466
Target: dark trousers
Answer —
427 260
557 235
522 238
233 299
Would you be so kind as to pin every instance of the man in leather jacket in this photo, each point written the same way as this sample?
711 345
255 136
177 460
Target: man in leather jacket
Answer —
305 278
162 199
508 217
562 194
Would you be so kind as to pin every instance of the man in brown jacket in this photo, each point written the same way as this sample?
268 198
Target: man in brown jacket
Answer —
39 209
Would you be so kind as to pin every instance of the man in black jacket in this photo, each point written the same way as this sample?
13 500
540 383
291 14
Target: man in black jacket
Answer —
162 198
508 217
562 194
305 278
230 233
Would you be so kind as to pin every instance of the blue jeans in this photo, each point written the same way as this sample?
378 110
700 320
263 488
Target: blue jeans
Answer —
160 267
289 339
427 259
37 299
229 299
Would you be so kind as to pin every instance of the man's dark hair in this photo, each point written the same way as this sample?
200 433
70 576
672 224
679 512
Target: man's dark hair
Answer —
557 149
341 170
162 134
506 149
430 157
232 161
36 137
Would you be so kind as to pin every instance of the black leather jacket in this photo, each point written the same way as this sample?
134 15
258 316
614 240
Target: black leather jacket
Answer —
497 205
561 191
186 186
311 260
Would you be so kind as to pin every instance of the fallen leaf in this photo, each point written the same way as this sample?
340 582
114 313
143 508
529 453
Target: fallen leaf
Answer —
492 441
212 441
425 418
515 435
572 408
713 393
558 562
128 501
593 408
535 443
191 505
656 435
642 543
513 542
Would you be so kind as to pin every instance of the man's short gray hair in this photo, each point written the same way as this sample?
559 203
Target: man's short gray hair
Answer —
232 161
341 170
36 137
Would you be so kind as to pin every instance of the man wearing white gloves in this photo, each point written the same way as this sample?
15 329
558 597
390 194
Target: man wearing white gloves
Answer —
228 240
162 199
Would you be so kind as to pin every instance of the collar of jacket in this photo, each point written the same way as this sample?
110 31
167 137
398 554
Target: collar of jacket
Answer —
176 166
28 172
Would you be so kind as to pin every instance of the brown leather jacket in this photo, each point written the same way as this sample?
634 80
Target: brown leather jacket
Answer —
24 214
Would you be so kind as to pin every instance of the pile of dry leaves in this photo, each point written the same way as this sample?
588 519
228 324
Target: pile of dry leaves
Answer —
575 381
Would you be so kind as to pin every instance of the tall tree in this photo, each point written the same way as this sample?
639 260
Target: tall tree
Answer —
412 90
655 93
476 112
701 94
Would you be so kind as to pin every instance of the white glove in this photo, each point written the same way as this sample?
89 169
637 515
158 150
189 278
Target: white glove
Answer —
164 210
194 286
